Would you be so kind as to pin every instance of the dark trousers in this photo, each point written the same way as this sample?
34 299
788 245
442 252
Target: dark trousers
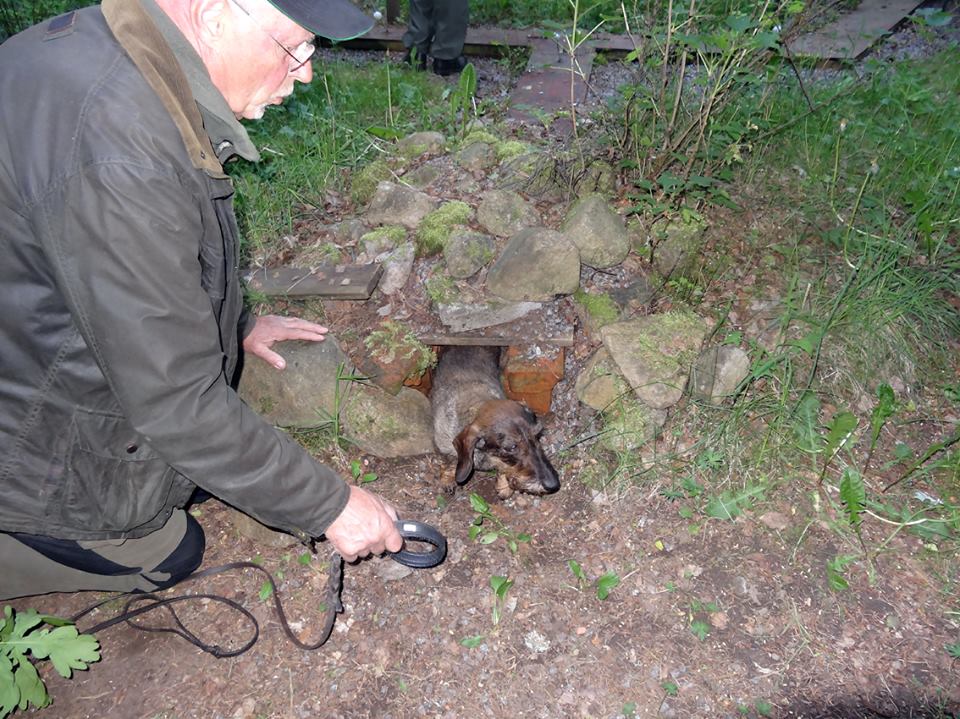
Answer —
31 564
437 27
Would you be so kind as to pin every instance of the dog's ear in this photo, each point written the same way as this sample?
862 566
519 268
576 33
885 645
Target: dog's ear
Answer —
532 420
465 443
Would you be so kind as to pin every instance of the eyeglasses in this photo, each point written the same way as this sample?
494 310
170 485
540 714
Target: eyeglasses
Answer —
299 55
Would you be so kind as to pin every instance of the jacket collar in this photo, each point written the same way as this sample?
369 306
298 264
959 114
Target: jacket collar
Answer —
226 133
145 45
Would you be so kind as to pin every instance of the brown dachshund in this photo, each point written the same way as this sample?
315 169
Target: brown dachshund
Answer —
473 421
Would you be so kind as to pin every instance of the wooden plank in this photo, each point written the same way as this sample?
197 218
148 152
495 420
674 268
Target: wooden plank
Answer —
349 282
853 33
504 339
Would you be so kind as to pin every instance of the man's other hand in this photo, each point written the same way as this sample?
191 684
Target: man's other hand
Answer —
273 328
364 527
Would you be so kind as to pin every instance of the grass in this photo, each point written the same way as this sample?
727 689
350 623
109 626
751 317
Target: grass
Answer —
310 143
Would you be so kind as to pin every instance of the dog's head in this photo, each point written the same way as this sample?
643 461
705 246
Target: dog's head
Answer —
507 433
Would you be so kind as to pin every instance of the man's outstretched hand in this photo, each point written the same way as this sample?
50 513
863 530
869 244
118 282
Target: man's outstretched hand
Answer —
364 527
273 328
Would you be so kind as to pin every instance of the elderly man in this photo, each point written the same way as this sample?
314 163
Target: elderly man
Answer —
121 319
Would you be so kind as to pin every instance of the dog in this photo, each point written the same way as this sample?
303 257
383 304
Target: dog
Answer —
473 420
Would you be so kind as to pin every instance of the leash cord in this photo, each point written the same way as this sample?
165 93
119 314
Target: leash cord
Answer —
152 601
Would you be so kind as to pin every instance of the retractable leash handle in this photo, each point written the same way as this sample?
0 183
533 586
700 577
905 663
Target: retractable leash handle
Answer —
420 532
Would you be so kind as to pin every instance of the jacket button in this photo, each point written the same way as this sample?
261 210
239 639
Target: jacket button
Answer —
132 448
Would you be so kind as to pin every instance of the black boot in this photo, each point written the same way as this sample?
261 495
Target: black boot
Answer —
449 67
416 54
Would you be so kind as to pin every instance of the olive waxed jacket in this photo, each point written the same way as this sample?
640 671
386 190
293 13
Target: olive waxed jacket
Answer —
119 299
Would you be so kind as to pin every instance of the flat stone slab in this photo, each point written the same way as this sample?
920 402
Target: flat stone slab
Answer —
544 325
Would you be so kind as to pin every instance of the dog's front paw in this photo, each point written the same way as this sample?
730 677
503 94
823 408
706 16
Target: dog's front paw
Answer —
504 490
448 480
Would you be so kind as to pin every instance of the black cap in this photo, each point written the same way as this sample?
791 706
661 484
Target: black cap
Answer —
332 19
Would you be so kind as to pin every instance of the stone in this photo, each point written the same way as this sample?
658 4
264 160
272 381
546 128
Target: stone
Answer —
477 156
466 316
635 296
600 383
595 310
535 174
504 213
677 247
394 204
530 374
385 425
421 143
597 231
718 372
467 252
394 355
302 394
423 176
260 534
397 266
655 353
382 239
598 177
363 184
389 570
348 231
536 265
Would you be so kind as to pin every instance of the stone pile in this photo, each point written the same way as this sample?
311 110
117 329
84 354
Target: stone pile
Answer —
471 215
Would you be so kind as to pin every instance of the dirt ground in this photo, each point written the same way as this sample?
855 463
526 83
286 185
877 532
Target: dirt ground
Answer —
709 619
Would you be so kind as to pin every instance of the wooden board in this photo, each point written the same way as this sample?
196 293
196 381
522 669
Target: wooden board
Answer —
853 33
342 282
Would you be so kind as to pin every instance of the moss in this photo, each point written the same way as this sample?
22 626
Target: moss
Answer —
383 238
480 252
479 136
601 308
435 228
267 404
628 424
393 340
325 253
511 149
440 289
364 182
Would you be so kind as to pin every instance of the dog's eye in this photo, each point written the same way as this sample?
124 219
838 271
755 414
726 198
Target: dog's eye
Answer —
509 447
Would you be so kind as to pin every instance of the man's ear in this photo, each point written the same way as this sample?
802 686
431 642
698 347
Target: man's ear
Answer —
211 18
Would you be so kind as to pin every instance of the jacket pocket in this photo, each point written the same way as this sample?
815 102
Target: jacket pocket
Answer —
114 480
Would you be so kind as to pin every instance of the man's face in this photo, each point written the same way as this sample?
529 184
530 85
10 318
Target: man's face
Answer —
254 70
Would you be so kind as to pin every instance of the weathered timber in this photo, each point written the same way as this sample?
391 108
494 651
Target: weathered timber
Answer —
342 282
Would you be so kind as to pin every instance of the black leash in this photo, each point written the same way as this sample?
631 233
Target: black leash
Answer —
409 530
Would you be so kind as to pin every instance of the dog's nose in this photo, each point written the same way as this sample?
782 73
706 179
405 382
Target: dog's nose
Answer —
549 479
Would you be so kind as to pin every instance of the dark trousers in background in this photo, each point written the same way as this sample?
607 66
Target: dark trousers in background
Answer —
437 27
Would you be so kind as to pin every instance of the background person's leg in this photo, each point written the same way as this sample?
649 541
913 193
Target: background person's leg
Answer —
450 19
419 30
32 564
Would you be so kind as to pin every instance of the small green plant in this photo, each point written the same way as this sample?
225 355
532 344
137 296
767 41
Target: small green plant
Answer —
495 528
700 629
885 409
473 641
839 429
578 573
500 586
606 584
393 340
953 650
732 503
463 98
331 419
22 640
836 572
359 476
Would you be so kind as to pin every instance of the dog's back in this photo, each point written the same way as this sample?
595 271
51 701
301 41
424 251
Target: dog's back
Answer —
465 378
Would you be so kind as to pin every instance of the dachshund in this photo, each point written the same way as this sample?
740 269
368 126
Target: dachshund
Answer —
473 420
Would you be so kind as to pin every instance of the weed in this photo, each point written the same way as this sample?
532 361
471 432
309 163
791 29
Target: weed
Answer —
500 586
440 289
434 230
499 529
331 420
21 637
359 476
